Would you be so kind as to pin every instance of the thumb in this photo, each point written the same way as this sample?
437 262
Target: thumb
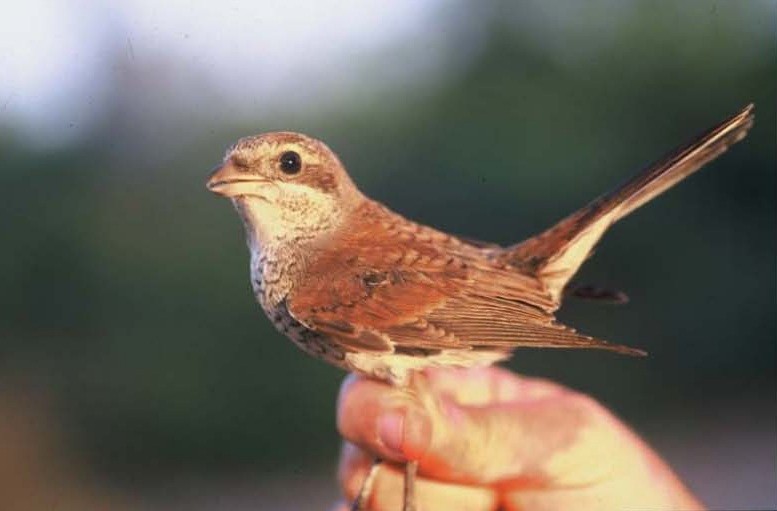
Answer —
385 420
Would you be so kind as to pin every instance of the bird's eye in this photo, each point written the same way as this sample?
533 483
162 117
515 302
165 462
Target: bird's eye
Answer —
291 163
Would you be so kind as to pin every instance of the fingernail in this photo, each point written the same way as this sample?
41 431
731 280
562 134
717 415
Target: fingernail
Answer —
391 431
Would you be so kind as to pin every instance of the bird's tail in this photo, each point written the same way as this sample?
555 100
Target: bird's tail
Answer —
556 254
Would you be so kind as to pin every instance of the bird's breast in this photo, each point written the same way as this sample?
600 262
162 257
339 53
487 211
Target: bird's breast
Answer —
271 281
271 278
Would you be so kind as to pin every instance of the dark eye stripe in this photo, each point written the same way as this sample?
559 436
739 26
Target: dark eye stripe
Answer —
291 163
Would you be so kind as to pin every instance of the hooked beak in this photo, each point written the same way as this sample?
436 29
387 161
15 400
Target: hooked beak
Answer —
229 180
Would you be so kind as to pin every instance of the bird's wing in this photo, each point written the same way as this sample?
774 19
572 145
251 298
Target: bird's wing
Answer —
556 254
402 293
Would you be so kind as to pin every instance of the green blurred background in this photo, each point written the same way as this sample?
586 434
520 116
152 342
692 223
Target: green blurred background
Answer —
137 371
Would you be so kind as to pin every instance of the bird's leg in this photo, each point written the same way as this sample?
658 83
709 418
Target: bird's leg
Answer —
360 502
408 503
412 382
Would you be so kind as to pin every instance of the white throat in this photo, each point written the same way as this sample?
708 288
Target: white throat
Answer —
286 213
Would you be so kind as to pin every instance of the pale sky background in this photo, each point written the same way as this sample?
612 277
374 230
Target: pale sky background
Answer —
62 59
57 55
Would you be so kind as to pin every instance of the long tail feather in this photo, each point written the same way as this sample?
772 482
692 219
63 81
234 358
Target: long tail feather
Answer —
556 254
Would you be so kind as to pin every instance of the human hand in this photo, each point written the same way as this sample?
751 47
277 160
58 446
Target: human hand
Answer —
493 440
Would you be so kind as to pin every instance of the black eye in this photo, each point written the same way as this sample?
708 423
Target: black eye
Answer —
291 163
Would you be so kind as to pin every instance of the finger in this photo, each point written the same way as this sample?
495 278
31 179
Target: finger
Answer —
384 420
387 491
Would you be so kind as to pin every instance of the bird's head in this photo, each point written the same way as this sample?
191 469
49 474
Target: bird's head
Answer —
285 185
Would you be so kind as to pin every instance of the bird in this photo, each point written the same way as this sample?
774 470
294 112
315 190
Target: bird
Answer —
363 288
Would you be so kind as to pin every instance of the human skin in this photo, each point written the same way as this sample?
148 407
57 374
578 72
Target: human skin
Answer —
488 439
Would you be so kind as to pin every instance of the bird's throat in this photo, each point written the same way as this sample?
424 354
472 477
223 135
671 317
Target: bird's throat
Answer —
289 214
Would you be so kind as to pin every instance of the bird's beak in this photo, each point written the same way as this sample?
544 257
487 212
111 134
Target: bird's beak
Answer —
230 181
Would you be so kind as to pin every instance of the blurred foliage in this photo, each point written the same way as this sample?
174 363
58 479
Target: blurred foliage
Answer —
125 290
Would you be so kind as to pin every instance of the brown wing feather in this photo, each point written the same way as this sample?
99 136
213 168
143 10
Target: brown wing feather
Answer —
390 291
556 254
489 322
